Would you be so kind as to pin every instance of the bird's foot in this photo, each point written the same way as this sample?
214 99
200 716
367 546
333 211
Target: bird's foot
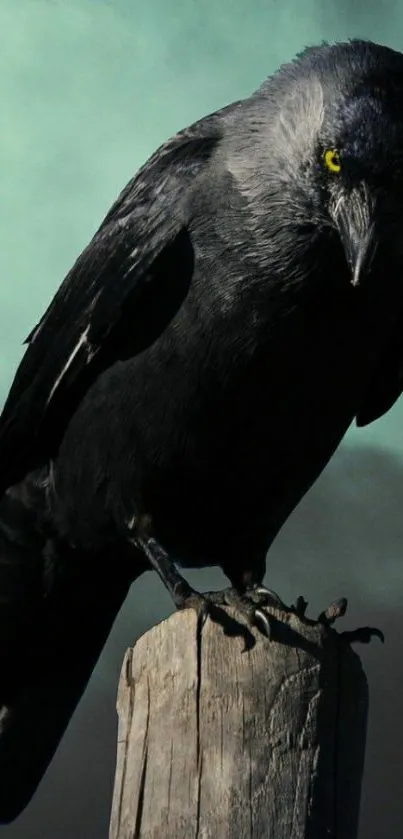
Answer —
247 604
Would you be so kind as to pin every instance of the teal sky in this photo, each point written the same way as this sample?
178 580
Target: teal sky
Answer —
88 90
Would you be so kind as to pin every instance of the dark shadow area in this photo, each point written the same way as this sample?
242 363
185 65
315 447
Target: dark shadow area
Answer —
346 538
341 730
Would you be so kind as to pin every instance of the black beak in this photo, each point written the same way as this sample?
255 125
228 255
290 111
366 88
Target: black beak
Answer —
353 216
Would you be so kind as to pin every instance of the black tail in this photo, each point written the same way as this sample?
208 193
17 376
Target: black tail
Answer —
51 636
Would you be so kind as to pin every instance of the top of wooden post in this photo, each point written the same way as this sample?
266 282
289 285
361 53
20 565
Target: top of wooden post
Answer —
219 739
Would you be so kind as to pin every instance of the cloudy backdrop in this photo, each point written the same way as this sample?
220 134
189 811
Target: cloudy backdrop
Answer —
88 89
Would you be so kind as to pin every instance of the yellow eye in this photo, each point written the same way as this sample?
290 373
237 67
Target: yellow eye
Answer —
332 160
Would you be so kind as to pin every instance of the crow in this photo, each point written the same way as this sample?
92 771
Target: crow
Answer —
239 307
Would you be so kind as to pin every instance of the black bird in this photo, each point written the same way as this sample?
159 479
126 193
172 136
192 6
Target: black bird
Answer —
240 305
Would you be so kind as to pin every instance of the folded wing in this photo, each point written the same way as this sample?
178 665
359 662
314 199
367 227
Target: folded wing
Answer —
118 297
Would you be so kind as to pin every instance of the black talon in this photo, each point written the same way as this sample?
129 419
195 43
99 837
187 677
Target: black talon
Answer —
263 622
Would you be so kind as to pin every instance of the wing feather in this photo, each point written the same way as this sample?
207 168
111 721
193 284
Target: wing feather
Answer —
142 235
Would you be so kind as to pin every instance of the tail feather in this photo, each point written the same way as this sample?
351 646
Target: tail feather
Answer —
49 645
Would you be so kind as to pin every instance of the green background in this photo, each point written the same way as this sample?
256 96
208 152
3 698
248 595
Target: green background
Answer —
88 90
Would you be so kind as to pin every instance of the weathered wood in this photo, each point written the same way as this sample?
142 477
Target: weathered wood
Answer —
220 743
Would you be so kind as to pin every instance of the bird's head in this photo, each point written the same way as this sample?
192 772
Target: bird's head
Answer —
357 169
336 146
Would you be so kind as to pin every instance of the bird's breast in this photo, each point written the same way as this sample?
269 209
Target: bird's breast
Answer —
256 439
211 436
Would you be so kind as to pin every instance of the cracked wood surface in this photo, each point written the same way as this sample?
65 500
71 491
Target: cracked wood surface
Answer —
216 742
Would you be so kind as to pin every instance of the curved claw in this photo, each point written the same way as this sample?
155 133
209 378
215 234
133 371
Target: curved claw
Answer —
377 633
262 621
271 596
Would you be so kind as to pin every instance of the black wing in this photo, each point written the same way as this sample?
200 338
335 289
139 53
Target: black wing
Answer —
387 382
117 298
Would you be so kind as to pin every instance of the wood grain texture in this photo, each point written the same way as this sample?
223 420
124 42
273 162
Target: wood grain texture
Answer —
219 742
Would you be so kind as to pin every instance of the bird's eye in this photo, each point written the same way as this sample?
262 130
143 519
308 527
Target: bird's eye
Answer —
332 160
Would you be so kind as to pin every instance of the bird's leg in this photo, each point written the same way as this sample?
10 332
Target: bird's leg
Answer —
183 595
179 589
246 599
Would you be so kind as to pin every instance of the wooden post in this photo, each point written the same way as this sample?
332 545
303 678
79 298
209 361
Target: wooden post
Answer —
219 742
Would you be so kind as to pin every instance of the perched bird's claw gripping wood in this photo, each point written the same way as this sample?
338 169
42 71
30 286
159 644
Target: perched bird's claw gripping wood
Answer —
245 602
